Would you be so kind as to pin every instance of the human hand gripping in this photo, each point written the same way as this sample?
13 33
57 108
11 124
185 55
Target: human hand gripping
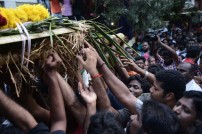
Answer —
51 65
99 59
91 61
129 64
53 62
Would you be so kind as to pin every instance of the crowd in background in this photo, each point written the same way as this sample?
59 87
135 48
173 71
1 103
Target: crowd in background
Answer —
73 9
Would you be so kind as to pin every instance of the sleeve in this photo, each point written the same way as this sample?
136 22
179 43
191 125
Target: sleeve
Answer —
138 106
58 132
39 129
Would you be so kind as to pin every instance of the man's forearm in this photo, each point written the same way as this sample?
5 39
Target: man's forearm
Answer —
91 110
71 100
67 92
57 110
118 88
16 114
102 98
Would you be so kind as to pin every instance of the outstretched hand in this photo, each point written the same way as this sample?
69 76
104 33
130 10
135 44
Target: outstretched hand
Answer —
130 65
88 95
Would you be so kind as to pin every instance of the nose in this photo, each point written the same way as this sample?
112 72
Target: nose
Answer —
177 109
151 89
130 89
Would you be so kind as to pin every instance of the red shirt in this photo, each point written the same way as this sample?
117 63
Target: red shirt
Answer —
55 6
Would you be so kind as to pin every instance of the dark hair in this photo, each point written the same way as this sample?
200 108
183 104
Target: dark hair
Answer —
140 58
104 123
158 118
155 68
193 52
196 96
145 85
194 69
171 81
165 52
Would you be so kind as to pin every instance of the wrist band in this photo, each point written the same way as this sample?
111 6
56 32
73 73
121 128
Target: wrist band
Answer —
96 76
101 65
146 74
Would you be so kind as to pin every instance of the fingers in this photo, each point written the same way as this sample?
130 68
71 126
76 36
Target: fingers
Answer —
87 44
88 52
80 87
56 57
80 59
90 89
49 59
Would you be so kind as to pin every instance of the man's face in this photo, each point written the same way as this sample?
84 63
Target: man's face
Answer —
185 111
140 63
184 69
145 46
191 43
135 88
157 92
165 42
131 52
152 61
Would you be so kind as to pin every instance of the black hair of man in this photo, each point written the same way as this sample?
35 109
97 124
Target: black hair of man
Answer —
165 52
145 85
155 68
171 81
193 52
196 96
104 123
158 118
140 58
194 70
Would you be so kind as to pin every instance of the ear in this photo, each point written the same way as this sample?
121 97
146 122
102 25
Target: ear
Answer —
170 96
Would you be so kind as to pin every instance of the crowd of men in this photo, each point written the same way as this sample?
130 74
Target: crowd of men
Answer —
156 90
73 9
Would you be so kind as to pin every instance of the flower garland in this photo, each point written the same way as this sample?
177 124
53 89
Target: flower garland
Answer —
23 13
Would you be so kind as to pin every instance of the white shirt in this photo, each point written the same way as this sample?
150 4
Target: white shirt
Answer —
193 86
86 78
131 42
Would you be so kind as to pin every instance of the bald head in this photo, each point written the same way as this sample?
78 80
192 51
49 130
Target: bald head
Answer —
187 70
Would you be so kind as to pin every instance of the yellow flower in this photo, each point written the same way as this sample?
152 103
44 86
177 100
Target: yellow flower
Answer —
10 16
35 12
43 11
21 14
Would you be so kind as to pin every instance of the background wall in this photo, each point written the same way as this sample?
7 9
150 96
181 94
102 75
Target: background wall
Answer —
14 3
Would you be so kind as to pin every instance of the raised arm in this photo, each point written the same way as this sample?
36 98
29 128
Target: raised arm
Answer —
103 101
71 101
174 55
89 97
57 109
16 114
133 66
117 87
